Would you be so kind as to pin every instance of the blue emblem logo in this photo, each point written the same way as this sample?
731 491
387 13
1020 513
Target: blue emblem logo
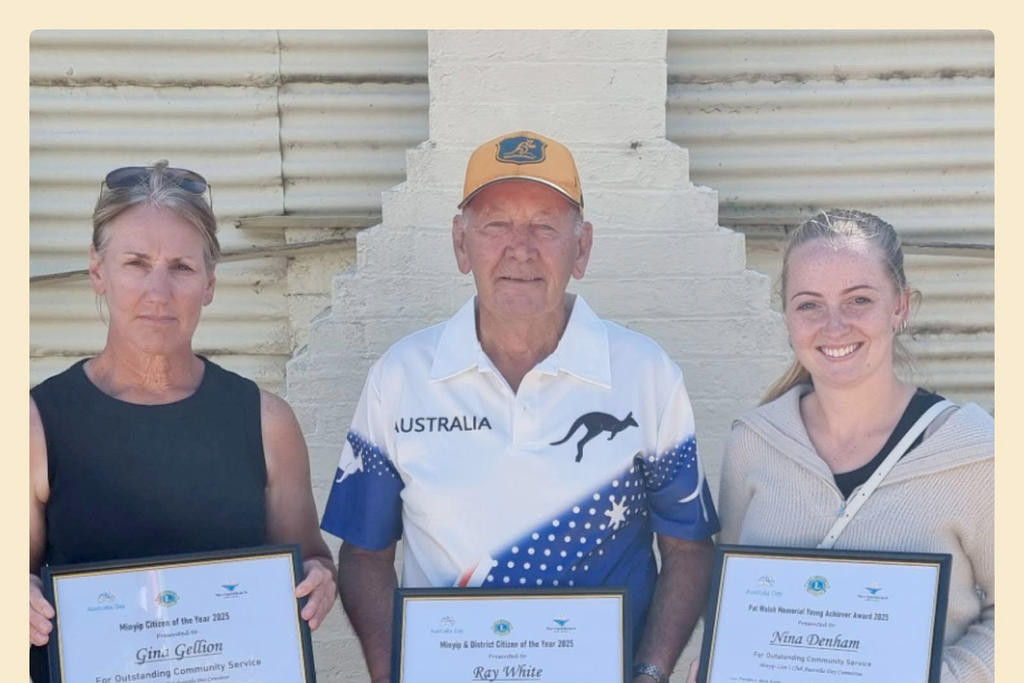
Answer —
561 625
105 597
167 599
817 585
232 591
521 150
502 627
875 593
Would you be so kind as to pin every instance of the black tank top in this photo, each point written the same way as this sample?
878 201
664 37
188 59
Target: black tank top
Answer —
129 480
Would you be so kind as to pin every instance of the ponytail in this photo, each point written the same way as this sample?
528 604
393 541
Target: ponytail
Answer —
795 374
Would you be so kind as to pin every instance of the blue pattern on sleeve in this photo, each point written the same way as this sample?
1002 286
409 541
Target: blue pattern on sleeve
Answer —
365 507
679 497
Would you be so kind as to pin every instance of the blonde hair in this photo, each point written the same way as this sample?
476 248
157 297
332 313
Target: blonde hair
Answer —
839 227
159 188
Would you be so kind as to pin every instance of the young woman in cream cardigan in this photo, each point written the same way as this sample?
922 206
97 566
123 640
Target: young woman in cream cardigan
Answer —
826 425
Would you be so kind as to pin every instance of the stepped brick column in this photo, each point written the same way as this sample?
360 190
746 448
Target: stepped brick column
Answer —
660 264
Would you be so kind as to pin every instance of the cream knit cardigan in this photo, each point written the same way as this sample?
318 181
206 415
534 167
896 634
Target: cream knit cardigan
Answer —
776 490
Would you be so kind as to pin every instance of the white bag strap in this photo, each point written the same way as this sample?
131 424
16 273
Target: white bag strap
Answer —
857 500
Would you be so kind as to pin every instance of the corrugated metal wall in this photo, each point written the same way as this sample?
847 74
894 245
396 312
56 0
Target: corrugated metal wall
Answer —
314 124
303 123
899 123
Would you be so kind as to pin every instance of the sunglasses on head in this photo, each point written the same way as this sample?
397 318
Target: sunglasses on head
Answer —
127 176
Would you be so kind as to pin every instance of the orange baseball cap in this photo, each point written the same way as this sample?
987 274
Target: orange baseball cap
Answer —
523 156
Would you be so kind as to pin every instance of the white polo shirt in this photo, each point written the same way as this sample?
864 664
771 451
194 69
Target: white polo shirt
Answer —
445 455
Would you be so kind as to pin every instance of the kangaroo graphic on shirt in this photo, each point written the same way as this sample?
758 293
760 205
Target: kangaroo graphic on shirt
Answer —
596 423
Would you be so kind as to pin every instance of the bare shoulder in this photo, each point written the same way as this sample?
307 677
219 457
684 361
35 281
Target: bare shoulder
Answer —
38 467
36 432
283 443
35 421
275 413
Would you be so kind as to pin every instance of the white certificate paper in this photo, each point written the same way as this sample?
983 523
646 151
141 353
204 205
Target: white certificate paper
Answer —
472 636
231 620
783 619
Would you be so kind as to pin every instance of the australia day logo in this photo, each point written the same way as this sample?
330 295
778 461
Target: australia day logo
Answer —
446 625
817 585
502 627
764 587
105 601
167 598
231 590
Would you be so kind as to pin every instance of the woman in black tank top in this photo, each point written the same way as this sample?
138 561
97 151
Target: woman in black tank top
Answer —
147 448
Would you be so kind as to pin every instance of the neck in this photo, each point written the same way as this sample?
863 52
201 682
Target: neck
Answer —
517 346
137 377
853 411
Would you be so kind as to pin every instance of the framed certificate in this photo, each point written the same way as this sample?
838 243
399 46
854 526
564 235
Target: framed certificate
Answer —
791 615
228 616
460 635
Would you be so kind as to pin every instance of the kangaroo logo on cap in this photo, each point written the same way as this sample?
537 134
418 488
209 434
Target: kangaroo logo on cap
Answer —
521 150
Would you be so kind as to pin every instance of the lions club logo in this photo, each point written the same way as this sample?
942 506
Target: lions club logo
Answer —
817 585
167 598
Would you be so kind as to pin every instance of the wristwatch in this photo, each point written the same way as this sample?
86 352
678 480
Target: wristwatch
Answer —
652 670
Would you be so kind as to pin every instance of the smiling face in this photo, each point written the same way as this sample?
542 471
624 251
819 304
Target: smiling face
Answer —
152 271
521 241
842 307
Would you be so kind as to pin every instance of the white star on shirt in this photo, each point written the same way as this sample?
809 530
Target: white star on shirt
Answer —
617 513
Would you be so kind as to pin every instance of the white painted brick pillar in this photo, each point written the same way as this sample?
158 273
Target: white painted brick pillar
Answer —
660 263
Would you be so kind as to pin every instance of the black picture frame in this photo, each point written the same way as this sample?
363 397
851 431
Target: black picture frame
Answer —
404 595
941 561
51 574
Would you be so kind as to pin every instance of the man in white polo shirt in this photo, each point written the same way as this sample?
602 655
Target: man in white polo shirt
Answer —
524 442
